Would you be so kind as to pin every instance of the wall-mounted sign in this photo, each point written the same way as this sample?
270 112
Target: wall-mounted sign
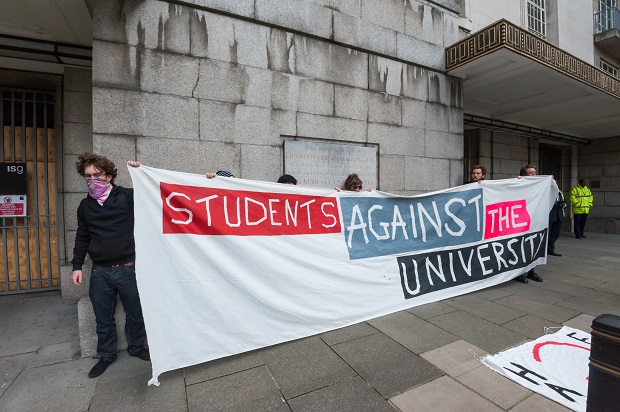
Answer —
327 165
13 178
12 205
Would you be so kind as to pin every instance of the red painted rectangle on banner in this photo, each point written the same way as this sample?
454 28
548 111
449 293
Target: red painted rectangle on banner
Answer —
506 218
212 211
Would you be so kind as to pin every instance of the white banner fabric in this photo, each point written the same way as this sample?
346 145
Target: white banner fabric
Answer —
554 365
228 265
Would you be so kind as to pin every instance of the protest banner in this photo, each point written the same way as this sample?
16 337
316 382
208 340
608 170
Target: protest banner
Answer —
227 265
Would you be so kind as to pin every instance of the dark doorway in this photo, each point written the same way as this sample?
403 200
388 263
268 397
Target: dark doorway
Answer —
550 160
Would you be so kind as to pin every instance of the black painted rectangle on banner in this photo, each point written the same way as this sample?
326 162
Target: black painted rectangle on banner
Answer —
429 272
13 178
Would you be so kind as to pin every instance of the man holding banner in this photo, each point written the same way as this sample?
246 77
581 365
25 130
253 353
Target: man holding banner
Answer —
105 231
528 170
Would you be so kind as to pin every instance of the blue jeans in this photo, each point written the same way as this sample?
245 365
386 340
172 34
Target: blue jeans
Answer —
105 284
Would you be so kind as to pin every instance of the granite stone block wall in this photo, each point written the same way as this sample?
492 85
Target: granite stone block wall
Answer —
598 164
212 84
77 138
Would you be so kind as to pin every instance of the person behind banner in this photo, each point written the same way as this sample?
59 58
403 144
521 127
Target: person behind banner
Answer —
221 173
556 219
353 183
528 170
105 232
287 179
478 174
581 198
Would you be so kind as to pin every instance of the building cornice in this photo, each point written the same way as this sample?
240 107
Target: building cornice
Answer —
506 35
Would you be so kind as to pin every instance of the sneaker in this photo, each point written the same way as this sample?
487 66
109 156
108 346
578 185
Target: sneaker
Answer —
142 353
534 276
99 368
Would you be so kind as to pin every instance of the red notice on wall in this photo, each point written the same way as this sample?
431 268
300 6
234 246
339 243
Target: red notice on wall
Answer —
12 205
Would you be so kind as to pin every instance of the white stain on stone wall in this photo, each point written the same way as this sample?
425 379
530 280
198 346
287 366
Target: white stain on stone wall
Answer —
291 51
390 73
143 23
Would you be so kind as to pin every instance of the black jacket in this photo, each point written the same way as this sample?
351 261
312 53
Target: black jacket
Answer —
557 211
105 232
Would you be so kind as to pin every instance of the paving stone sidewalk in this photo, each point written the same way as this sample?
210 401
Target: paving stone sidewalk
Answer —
420 359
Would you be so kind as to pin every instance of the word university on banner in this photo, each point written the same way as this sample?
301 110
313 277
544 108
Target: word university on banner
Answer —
227 265
554 365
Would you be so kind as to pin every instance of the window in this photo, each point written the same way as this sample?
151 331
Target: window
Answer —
606 15
605 4
536 17
608 67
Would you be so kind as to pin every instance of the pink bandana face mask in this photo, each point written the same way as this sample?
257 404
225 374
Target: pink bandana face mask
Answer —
97 187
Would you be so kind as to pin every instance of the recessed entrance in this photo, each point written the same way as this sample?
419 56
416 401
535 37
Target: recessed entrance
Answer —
29 242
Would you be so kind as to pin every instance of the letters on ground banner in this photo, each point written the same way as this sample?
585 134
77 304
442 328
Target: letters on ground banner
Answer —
229 265
554 365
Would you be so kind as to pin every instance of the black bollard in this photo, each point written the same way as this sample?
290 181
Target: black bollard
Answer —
604 380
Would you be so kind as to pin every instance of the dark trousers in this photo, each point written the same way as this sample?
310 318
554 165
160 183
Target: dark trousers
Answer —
105 284
580 223
554 233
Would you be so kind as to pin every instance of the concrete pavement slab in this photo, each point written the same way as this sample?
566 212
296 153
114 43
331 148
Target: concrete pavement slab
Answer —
304 365
485 309
221 367
582 322
385 365
359 330
442 395
455 358
58 387
498 389
581 281
430 310
531 326
480 332
588 306
613 259
123 387
57 352
610 287
541 309
495 292
11 367
604 274
250 390
539 403
27 317
412 332
584 292
534 291
349 395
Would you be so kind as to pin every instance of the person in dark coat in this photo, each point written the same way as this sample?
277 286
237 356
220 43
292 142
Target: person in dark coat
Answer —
105 232
556 219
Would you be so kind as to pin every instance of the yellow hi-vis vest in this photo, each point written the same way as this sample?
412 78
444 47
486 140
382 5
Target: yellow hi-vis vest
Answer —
581 198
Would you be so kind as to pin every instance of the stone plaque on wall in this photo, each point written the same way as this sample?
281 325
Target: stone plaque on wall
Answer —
327 165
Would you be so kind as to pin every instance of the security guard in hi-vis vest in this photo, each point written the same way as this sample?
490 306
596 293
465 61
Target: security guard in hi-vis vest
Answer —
581 198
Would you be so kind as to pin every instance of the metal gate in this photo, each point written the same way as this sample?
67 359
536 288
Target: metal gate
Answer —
29 248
